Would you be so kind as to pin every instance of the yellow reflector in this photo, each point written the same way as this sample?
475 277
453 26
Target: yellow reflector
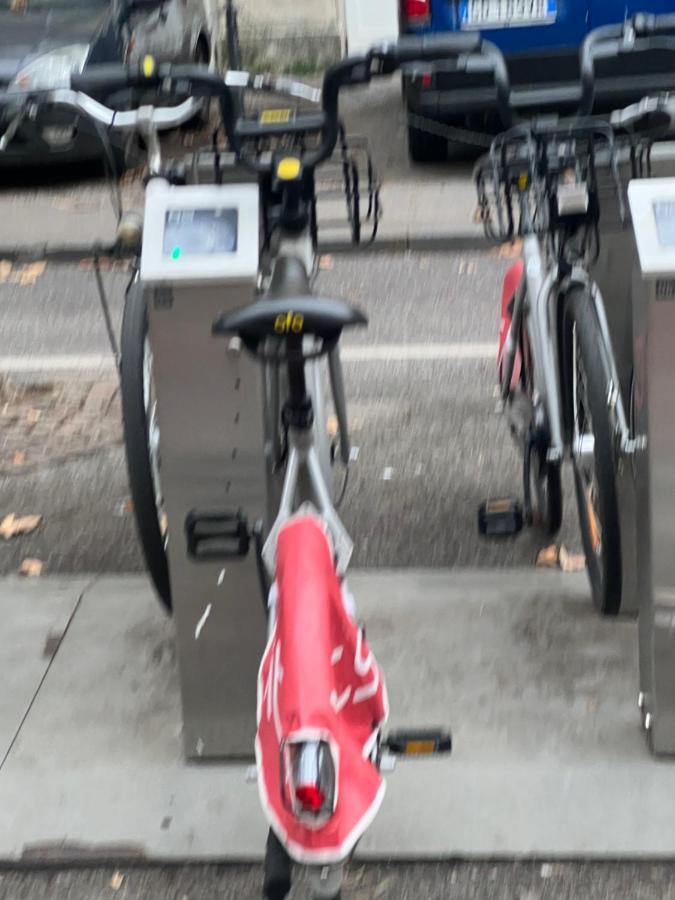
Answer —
499 506
420 748
149 66
523 181
275 116
289 168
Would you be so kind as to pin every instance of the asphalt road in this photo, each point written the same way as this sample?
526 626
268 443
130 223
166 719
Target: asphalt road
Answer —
433 881
431 444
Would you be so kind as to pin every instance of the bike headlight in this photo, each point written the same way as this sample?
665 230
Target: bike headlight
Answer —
52 70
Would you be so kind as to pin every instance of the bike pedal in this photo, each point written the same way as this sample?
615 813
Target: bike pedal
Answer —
426 742
500 518
217 535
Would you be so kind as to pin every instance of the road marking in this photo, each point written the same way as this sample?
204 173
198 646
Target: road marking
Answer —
418 352
56 363
367 353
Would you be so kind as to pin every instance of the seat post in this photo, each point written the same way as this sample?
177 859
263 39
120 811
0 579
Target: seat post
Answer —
298 412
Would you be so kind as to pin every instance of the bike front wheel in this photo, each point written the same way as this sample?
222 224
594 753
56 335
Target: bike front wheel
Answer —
593 449
545 491
141 440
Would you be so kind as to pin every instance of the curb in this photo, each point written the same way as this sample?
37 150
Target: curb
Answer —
75 253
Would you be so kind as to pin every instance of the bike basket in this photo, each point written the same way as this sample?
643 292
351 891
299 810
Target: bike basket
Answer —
348 192
551 180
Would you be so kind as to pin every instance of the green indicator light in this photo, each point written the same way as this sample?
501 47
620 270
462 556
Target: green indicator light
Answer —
175 253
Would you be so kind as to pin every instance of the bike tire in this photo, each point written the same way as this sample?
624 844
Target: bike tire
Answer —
545 493
604 561
136 441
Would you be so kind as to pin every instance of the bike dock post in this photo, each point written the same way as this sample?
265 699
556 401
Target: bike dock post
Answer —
613 272
653 210
212 466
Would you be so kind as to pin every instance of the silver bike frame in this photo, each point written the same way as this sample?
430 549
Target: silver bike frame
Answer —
539 304
307 474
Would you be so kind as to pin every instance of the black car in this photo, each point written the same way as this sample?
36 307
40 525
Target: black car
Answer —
43 40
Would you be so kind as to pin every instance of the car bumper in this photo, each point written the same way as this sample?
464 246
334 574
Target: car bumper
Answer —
55 136
451 96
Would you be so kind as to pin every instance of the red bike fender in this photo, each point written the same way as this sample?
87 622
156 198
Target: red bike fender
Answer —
512 280
318 680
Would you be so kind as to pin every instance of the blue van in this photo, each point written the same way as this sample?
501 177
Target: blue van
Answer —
540 39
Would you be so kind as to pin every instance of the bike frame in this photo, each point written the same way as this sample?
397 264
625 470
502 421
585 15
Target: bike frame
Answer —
537 308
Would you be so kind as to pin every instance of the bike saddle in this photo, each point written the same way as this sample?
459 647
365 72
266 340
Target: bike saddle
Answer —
290 311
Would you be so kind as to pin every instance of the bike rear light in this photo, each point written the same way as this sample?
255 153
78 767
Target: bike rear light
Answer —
416 12
308 780
427 80
310 797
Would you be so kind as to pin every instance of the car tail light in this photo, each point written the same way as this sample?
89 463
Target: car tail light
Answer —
308 780
416 12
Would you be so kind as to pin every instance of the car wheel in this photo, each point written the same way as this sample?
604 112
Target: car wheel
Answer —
425 147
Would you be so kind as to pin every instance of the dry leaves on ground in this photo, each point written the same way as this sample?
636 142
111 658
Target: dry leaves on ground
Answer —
554 557
514 250
12 525
31 568
117 881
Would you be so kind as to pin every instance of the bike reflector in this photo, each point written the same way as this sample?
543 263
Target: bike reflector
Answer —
308 780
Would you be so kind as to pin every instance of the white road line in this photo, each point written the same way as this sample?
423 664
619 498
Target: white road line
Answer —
353 354
418 352
56 363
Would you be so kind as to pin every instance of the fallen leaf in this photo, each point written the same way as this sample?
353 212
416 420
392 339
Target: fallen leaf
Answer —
12 525
33 416
326 261
31 568
5 270
27 275
548 557
571 562
117 881
513 250
19 458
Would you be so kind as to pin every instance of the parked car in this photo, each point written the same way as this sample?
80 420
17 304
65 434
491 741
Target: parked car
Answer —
540 39
40 40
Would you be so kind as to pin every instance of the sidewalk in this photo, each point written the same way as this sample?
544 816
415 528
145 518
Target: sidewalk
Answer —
549 760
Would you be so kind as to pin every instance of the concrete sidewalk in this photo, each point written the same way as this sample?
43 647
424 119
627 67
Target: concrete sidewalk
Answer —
423 206
549 758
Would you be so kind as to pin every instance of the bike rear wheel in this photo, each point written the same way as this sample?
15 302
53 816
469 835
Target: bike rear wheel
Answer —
593 450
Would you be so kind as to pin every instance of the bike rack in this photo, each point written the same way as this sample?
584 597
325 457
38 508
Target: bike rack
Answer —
213 474
613 271
653 339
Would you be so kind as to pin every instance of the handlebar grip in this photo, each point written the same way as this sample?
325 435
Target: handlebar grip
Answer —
106 79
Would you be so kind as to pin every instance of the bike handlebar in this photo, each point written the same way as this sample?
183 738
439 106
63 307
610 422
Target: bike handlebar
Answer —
641 34
466 51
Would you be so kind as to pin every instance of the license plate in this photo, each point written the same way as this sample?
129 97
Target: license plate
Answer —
505 13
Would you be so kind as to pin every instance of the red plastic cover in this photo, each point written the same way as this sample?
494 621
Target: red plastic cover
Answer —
318 681
512 280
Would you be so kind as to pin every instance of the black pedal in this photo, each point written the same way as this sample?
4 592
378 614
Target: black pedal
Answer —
500 518
423 742
217 535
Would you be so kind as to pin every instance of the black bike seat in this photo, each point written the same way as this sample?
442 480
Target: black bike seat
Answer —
290 317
